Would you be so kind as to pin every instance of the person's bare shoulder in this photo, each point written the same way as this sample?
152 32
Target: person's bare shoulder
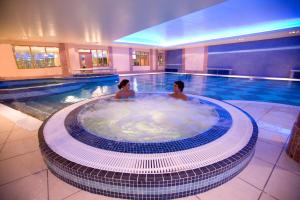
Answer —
184 97
118 95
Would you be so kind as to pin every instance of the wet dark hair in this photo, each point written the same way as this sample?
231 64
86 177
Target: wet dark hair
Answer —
180 85
123 83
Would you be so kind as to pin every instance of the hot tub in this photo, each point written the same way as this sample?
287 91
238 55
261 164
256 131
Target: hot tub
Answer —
134 159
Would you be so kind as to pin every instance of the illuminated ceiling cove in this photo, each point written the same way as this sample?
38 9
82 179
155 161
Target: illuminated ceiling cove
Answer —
232 18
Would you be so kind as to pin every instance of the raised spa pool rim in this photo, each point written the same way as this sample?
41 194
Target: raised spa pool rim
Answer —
149 186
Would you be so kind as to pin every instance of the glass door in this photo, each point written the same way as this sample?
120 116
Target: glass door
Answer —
85 60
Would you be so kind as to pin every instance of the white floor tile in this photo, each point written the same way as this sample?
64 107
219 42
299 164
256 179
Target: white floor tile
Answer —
32 187
288 163
20 166
292 110
19 118
264 105
284 185
59 189
29 123
288 114
240 104
257 173
267 152
280 119
19 147
19 133
272 137
273 127
3 136
1 145
266 196
87 196
256 112
5 124
236 189
275 122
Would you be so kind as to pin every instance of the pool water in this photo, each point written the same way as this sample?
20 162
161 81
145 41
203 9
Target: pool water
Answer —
150 118
221 88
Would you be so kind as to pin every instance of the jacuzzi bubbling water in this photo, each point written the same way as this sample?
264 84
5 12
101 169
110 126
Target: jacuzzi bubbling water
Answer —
144 119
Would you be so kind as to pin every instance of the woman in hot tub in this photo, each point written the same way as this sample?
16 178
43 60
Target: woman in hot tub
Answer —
124 90
178 91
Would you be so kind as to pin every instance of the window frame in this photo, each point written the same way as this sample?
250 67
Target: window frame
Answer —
163 63
139 55
99 60
22 67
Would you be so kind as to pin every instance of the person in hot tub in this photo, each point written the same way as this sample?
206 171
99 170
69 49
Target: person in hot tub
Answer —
178 91
124 90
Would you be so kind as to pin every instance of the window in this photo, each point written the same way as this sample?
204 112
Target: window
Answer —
104 57
53 58
84 51
99 57
95 58
36 57
23 57
161 59
39 56
140 58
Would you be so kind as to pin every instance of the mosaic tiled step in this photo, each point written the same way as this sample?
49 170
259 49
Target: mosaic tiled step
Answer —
134 175
12 90
36 91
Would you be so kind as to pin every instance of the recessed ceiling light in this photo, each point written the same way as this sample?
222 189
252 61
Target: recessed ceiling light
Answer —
293 32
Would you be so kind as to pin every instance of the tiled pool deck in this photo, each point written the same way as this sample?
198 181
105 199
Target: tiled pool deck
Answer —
270 175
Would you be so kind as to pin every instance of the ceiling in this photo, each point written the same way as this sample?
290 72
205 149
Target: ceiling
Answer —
88 21
159 23
232 19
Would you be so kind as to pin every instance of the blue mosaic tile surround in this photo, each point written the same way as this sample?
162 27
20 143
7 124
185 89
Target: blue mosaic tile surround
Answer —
28 82
25 94
77 131
149 186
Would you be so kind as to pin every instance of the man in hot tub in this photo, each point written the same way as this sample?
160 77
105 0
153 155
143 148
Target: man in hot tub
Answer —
178 91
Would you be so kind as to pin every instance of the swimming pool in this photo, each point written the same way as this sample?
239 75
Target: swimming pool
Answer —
221 88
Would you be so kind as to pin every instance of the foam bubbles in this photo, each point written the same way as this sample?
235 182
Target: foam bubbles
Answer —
147 119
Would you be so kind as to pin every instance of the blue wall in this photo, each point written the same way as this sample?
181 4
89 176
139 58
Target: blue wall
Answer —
174 60
272 58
